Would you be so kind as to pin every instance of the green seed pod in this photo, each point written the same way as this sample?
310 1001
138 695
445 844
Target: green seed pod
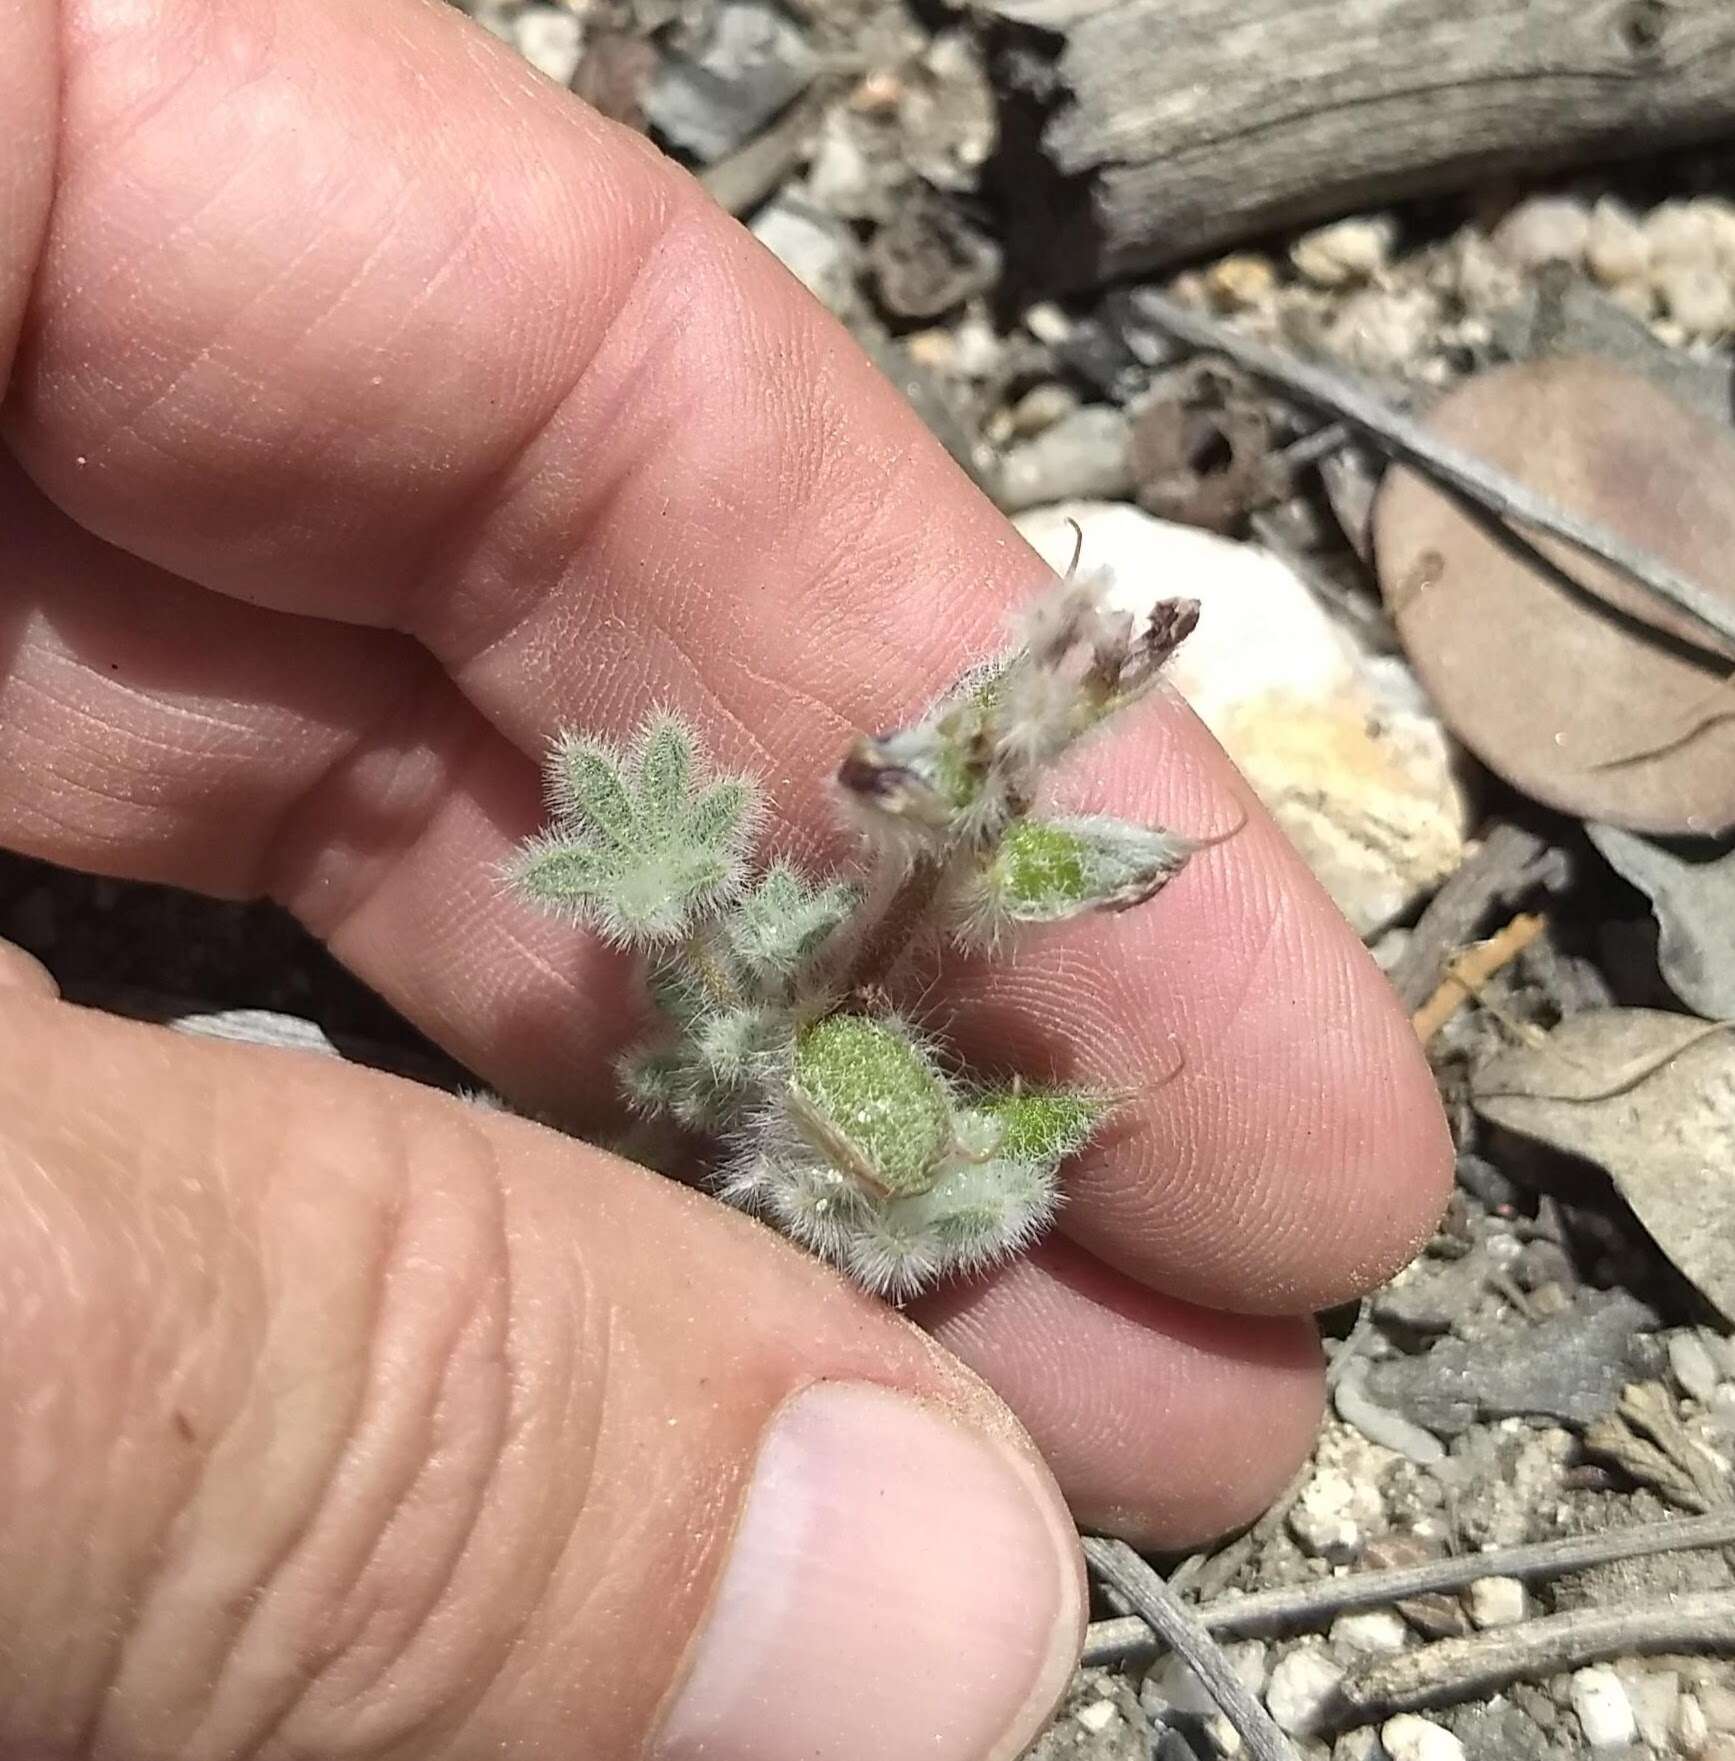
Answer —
867 1094
1042 1125
1047 870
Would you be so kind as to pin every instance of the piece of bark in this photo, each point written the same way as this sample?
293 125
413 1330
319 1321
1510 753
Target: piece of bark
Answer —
1135 134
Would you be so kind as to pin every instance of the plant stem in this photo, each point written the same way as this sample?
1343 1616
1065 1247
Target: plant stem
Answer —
701 952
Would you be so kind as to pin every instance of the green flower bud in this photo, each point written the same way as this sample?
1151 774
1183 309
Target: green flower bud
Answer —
866 1093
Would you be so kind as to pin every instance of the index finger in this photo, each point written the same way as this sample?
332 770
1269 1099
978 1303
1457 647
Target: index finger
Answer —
569 427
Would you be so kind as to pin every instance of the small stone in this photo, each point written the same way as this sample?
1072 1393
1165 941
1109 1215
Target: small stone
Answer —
933 349
817 249
1616 249
1301 1687
1602 1708
1334 1516
1409 1738
840 177
1698 297
1350 251
1719 1746
1239 284
1680 233
1374 1632
1386 334
877 93
551 39
978 348
1546 229
1484 279
1496 1602
1171 1686
1718 1700
1085 456
1042 406
1692 1366
1655 1695
710 99
1097 1716
1359 1745
1049 323
1691 1727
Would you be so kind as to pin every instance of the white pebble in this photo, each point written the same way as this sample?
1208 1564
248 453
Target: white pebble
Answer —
1352 250
1376 1632
1379 332
551 39
1048 323
1693 1367
1173 1687
1409 1738
1656 1698
1681 233
1546 229
1616 248
1719 218
1359 1745
1691 1727
1496 1601
1604 1712
1698 298
1241 283
1097 1716
1301 1687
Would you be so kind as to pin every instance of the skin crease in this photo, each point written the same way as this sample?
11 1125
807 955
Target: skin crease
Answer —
336 477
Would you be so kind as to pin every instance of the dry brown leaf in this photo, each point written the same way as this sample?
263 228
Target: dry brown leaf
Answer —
1571 682
1693 899
1650 1097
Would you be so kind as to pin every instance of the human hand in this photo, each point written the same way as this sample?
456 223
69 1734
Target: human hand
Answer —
374 410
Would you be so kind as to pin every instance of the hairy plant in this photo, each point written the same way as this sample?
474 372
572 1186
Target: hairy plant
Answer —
835 1117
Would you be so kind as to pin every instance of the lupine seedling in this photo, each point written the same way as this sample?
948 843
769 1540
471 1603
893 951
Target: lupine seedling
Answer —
835 1117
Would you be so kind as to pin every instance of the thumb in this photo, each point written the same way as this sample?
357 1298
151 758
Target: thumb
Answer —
346 1420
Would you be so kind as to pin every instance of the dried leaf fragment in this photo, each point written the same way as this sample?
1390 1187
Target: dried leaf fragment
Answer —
1569 681
1693 900
1650 1097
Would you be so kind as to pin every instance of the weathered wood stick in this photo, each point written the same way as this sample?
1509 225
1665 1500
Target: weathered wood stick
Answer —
1136 134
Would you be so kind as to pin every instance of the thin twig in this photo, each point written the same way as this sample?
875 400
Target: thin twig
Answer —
1469 971
1179 1629
744 178
1311 448
1406 439
1510 862
1451 1670
1303 1605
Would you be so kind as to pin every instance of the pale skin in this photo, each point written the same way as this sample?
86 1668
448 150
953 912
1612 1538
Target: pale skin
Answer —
372 410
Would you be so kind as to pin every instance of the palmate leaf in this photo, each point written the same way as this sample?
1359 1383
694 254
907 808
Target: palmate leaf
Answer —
779 926
643 842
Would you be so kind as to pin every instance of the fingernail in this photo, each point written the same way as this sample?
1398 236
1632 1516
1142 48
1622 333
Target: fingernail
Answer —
899 1584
